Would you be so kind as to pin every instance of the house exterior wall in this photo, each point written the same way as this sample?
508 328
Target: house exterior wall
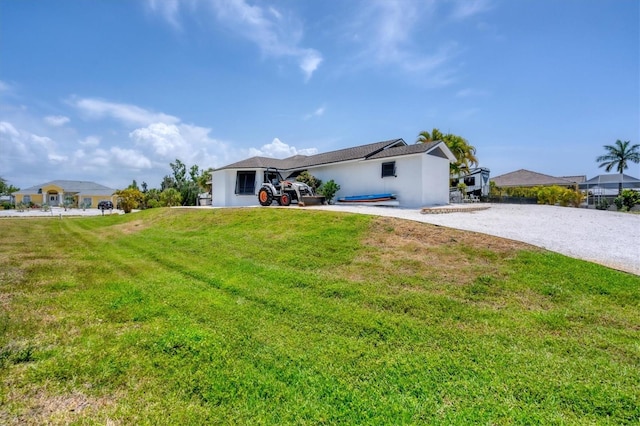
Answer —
59 195
224 189
421 180
365 177
435 178
34 198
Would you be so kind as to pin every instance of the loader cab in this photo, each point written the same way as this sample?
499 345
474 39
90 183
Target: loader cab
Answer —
273 177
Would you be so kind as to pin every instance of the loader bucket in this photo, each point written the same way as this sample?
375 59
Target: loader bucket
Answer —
311 200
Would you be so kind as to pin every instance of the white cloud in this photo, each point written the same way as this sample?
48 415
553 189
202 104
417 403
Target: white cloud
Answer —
396 33
90 141
43 141
408 36
56 120
129 114
310 61
4 86
317 113
165 139
130 158
464 9
57 158
7 128
169 9
276 34
279 149
21 148
468 92
191 144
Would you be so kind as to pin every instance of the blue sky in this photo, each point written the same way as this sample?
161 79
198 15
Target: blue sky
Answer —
112 91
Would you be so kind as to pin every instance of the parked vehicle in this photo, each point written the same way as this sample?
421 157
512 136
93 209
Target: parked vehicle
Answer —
105 205
283 191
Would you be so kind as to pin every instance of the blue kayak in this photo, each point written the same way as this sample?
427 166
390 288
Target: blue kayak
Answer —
367 198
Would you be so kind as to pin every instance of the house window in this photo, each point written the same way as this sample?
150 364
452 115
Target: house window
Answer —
389 169
26 199
86 201
470 181
246 183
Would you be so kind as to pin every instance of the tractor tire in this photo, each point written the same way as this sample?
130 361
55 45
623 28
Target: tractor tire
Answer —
265 197
285 200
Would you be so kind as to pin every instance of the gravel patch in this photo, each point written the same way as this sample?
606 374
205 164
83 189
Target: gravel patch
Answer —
607 238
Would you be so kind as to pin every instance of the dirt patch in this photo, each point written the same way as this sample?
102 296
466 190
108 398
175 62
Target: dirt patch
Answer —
399 233
128 228
57 409
11 275
438 254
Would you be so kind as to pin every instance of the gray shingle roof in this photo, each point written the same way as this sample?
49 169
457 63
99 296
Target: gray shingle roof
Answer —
612 178
71 186
383 149
528 178
404 150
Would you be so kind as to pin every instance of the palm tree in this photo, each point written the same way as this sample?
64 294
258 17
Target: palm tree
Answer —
464 152
618 156
426 137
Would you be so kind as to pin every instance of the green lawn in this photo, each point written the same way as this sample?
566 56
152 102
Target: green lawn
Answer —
291 316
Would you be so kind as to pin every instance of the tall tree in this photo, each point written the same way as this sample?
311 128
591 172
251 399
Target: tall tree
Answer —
204 180
618 156
464 152
7 189
426 137
184 181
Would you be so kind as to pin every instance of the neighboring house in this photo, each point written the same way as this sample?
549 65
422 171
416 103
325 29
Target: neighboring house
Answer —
609 184
476 181
54 193
417 174
527 178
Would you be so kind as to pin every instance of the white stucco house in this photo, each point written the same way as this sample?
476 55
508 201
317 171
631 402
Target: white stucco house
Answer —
417 174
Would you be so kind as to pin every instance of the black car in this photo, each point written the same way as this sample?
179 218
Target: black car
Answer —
105 205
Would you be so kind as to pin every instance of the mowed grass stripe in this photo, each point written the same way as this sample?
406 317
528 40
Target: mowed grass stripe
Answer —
271 316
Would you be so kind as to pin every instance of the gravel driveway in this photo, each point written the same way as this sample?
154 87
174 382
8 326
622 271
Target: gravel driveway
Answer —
604 237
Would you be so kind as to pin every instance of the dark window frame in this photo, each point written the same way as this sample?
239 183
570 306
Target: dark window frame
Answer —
246 182
389 169
470 181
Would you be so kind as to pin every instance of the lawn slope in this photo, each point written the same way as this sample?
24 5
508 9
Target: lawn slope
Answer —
272 316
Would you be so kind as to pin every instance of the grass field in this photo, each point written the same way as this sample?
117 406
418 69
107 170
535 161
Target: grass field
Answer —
287 316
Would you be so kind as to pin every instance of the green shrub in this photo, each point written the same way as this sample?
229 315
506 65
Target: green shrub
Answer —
309 179
627 199
329 190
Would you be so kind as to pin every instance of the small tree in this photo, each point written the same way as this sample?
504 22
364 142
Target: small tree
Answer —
309 179
170 197
627 199
151 198
329 189
129 199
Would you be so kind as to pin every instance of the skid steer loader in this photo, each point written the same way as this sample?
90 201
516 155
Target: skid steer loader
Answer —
284 191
